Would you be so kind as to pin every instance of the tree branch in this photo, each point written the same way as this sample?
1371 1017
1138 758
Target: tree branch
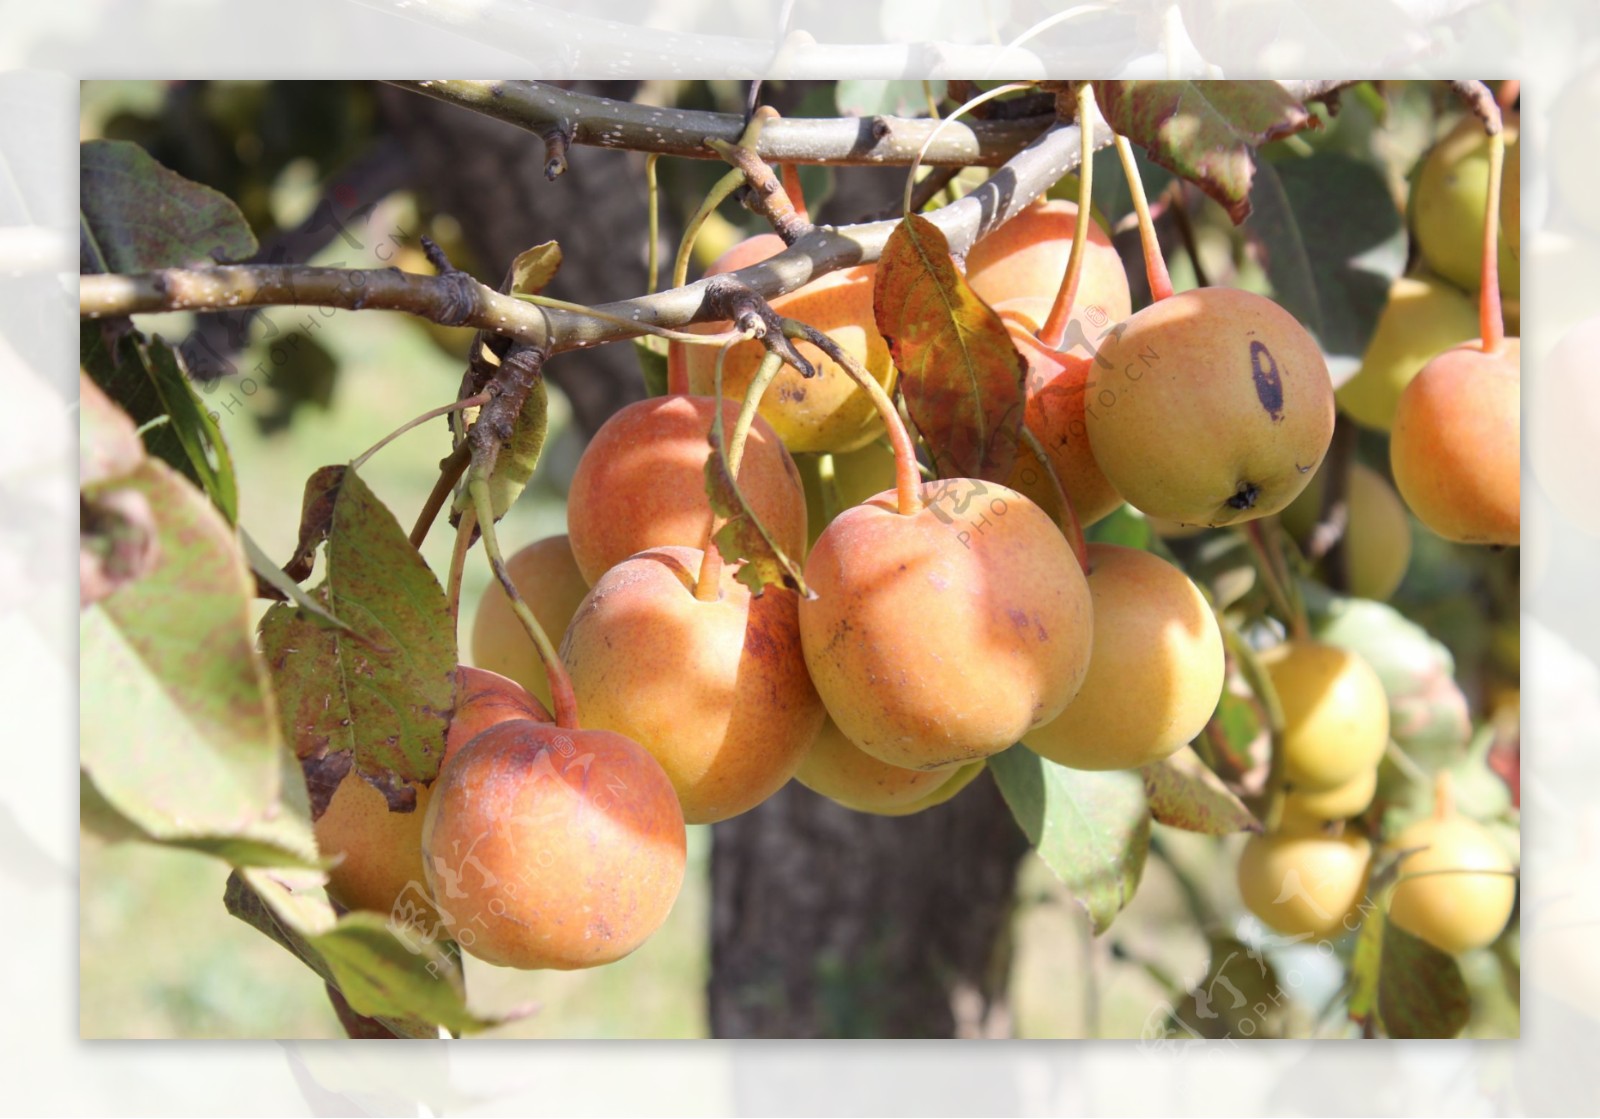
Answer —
457 300
602 122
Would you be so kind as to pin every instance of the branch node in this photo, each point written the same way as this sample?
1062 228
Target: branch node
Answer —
557 141
731 299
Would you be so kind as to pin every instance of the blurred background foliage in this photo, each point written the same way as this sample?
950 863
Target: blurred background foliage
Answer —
317 170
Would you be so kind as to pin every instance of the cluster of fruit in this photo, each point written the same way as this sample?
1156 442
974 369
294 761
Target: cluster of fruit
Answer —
945 620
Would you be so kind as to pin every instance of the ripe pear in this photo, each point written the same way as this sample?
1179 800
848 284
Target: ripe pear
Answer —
1377 533
1335 713
1053 412
943 635
1453 911
1023 262
1212 407
836 768
548 579
379 850
549 847
484 698
1447 206
716 690
1308 806
1423 316
827 412
641 483
1156 673
1305 883
1456 451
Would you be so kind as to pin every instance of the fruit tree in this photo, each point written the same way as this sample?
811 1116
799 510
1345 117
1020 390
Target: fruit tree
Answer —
1078 501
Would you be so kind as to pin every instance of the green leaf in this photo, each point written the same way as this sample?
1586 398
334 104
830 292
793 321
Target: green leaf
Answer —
263 566
1091 829
652 354
1421 992
518 457
1122 526
178 731
148 381
136 216
1336 244
742 538
1204 131
960 373
404 976
379 695
1184 793
1365 965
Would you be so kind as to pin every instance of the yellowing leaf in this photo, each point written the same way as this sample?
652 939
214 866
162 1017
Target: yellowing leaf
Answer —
961 376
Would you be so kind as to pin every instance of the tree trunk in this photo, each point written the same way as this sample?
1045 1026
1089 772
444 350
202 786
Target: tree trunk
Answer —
825 922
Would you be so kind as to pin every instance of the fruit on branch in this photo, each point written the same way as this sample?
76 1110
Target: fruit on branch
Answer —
827 412
484 698
1156 672
1456 451
1054 395
836 768
1341 802
716 690
548 579
1447 206
940 636
1377 531
641 483
1212 407
1303 883
1022 264
552 848
1423 316
379 852
1335 713
835 483
1457 892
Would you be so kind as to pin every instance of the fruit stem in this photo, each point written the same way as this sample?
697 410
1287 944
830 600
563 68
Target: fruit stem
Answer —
458 559
450 471
1071 527
720 191
1259 681
790 174
564 702
1444 797
916 164
461 405
708 587
1054 331
1491 322
653 210
907 480
1155 265
1278 580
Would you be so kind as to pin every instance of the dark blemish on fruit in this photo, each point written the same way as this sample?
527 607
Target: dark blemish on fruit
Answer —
1018 618
1302 469
1246 496
1269 384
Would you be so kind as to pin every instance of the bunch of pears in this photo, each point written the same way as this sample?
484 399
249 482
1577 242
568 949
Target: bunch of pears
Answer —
943 620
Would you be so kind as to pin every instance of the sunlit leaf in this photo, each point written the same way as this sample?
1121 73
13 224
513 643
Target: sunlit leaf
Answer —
742 538
178 730
378 696
1184 793
1091 828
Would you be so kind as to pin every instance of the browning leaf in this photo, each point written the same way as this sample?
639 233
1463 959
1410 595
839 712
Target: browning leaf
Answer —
1204 131
960 373
1185 793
